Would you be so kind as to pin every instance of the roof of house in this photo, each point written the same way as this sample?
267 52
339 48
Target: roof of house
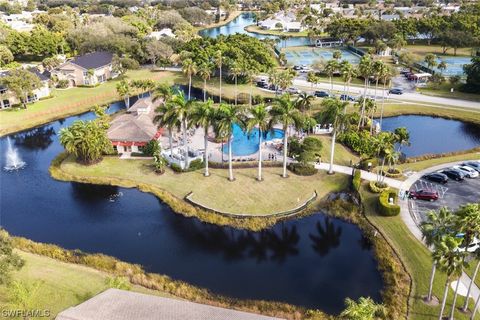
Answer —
115 304
93 60
44 76
135 126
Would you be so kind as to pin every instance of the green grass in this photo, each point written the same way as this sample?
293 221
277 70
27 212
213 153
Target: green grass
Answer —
416 258
244 195
255 29
423 49
62 284
342 154
425 164
69 102
443 90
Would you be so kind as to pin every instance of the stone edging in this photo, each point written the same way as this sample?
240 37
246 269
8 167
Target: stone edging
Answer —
282 214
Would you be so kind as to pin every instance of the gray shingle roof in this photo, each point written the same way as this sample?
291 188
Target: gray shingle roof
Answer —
93 60
114 304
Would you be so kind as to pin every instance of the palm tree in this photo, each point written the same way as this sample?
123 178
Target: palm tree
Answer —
219 63
434 228
285 112
449 260
383 145
330 68
377 70
202 115
250 75
190 69
259 117
475 308
166 116
124 91
304 102
364 309
333 113
385 74
431 60
236 70
226 116
337 55
348 73
181 109
472 281
204 71
442 66
364 70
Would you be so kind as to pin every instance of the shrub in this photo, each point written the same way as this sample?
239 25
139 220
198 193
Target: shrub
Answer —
364 163
62 84
394 173
195 165
151 148
139 154
385 208
357 180
175 167
302 169
129 63
377 187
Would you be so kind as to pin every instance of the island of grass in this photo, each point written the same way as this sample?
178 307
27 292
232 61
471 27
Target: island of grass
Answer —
256 29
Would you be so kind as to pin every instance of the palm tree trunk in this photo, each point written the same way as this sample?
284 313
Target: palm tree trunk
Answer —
285 147
465 306
260 156
251 94
206 174
230 168
444 300
220 97
204 90
170 141
332 150
454 304
383 103
331 85
127 101
432 277
475 308
189 85
185 142
236 82
360 122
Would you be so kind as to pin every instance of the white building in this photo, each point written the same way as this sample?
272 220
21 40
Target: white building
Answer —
284 21
165 32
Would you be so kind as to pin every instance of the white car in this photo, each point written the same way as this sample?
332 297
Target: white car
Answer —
468 171
474 246
293 90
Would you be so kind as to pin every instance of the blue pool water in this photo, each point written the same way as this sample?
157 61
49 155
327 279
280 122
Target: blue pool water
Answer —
310 55
244 143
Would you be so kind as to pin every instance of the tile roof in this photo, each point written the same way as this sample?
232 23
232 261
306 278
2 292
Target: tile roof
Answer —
93 60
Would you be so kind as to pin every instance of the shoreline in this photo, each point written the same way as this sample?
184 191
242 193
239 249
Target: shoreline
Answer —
254 29
221 23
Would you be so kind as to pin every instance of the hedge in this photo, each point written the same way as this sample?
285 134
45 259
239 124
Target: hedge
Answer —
357 180
302 169
378 189
387 209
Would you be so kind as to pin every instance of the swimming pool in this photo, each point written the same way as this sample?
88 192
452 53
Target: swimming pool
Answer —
308 56
246 143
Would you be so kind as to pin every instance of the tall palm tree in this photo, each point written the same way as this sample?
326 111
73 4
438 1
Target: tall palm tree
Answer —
364 309
182 108
204 71
383 145
330 68
348 73
285 112
236 70
364 70
189 68
202 115
259 117
226 116
304 102
124 90
219 63
449 260
475 308
385 74
333 113
166 117
438 224
250 75
377 69
476 255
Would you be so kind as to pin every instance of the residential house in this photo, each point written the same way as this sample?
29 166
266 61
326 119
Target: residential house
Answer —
131 131
8 99
165 32
284 21
87 70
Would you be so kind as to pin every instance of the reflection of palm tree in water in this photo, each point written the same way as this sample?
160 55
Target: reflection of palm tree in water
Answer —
328 238
284 245
259 245
35 139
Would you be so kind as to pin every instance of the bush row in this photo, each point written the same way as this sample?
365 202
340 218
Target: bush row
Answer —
194 165
357 180
377 187
302 169
385 207
244 165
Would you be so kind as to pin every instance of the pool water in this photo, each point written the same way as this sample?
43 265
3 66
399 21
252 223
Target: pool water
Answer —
309 55
246 143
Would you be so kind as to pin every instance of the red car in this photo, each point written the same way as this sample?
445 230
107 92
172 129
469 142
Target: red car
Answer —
424 195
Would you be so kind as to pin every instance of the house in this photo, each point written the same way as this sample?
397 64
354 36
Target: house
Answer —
87 70
8 99
131 131
285 21
165 32
328 42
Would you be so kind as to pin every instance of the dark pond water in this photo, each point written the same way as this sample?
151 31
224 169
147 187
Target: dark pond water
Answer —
238 25
315 262
435 135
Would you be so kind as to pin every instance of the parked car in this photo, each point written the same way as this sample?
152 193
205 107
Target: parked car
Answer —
346 97
293 90
423 195
436 177
297 68
472 164
454 174
321 94
395 91
472 247
469 172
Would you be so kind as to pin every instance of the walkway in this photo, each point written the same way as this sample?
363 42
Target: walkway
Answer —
405 213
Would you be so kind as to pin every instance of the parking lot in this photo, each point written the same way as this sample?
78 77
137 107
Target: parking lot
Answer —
451 195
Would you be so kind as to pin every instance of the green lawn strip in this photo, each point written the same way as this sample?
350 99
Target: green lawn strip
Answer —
62 285
244 195
416 258
69 102
423 49
342 154
425 164
256 29
443 90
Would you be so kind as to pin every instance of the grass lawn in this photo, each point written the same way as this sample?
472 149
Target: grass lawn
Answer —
62 284
443 90
244 195
425 164
256 29
416 258
69 102
423 49
342 154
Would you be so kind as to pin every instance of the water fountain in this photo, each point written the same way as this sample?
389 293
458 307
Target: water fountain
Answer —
13 160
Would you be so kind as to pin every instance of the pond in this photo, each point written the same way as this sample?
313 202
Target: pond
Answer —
245 19
306 262
430 135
